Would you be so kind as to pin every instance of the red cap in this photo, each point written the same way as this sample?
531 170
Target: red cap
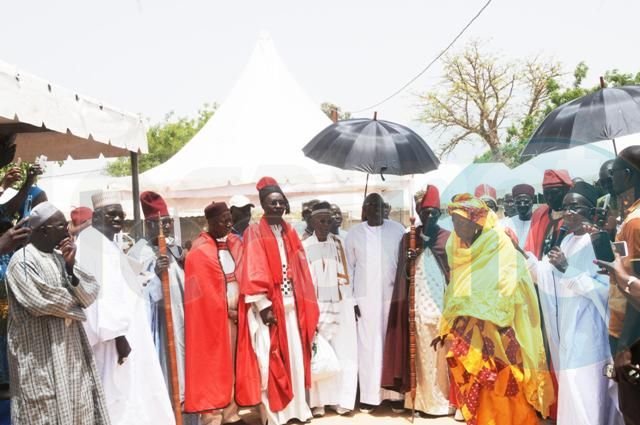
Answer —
266 181
81 215
554 178
485 191
153 206
214 209
523 189
431 198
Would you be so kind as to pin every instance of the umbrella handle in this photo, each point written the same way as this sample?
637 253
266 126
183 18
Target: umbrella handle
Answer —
366 186
383 169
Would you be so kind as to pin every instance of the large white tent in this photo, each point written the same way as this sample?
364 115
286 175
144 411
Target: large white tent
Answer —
258 130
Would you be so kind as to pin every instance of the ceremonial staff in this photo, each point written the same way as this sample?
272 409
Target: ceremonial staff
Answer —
171 345
412 317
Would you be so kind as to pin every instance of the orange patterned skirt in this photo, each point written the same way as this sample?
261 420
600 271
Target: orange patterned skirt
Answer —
486 366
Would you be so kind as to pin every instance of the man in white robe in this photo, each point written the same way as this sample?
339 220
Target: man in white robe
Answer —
523 195
372 254
337 324
117 325
573 299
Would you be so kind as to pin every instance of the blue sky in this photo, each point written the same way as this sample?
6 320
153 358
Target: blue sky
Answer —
154 56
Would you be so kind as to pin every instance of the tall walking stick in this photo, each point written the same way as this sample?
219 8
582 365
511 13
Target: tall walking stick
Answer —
171 345
412 318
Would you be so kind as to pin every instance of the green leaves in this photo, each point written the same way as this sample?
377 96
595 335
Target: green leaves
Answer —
165 139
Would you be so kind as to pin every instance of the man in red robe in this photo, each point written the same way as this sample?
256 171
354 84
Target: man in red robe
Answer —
543 235
547 219
283 315
431 277
213 308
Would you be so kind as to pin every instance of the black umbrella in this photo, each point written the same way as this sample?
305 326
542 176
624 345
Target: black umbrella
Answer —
606 114
373 147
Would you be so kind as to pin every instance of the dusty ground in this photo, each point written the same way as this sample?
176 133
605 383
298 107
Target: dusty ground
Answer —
382 416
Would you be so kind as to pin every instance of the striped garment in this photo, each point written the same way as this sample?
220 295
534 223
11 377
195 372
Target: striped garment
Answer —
53 374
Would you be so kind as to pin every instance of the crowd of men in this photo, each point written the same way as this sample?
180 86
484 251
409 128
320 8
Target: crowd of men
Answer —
515 316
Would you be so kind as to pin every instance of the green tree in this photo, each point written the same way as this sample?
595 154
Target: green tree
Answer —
165 139
328 108
482 93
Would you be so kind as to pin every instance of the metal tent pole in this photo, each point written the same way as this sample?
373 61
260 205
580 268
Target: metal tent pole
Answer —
135 187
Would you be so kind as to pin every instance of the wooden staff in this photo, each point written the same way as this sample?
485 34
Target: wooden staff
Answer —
412 318
171 345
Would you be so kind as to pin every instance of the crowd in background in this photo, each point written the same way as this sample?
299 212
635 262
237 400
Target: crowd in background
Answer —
493 310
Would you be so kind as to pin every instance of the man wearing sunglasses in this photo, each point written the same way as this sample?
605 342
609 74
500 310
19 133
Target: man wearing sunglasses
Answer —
53 374
284 311
573 298
117 324
523 195
372 254
547 219
431 278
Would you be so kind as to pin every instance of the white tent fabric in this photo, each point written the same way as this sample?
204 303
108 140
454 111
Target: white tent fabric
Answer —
259 130
27 99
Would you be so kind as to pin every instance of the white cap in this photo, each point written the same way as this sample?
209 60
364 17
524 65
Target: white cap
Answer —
239 201
104 198
41 213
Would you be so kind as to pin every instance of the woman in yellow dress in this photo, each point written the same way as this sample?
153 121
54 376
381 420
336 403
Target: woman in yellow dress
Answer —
491 323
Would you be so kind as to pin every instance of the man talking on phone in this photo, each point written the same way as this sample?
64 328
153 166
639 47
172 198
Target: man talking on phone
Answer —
47 293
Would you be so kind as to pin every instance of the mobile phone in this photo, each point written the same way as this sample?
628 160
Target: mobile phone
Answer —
601 215
27 206
602 246
620 248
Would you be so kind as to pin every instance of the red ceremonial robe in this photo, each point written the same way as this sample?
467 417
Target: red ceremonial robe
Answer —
540 223
209 371
262 274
